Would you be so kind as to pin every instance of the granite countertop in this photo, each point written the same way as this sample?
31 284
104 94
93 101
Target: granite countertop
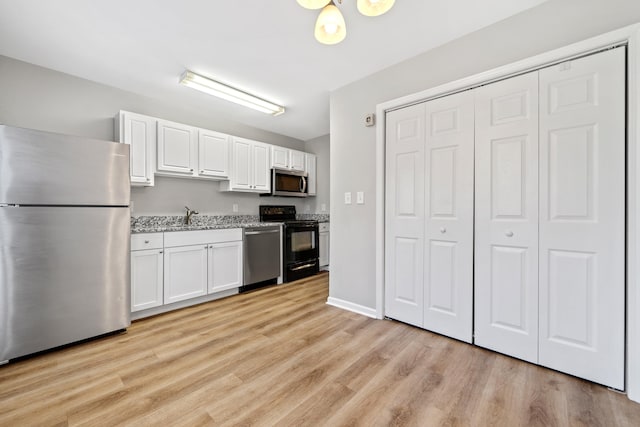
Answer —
156 224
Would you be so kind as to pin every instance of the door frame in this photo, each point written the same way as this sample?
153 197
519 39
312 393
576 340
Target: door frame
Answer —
629 36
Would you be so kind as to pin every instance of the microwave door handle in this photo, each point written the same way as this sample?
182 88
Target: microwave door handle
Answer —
303 185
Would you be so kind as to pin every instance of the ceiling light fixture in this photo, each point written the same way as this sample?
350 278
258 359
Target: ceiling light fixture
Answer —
229 93
330 27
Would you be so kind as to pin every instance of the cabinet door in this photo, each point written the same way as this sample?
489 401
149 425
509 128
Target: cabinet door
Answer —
176 148
261 170
185 272
241 172
404 222
582 217
448 261
225 266
296 160
324 249
213 154
140 133
310 161
146 279
279 157
506 225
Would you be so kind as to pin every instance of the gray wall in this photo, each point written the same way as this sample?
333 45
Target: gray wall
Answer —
40 98
551 25
320 147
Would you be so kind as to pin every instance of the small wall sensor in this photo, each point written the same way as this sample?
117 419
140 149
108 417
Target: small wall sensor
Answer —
370 120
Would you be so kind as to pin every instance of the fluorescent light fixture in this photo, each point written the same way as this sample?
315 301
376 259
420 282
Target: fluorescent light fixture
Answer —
229 93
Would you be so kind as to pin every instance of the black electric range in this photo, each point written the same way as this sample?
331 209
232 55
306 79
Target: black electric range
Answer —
300 256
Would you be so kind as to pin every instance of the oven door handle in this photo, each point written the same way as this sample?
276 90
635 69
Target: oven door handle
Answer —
303 266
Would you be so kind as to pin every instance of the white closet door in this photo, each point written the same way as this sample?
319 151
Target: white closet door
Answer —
404 221
582 217
506 225
448 276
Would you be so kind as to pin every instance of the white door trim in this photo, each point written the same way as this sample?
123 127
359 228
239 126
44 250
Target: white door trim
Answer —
628 35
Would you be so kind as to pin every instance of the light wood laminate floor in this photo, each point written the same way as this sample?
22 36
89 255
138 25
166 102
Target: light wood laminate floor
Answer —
281 356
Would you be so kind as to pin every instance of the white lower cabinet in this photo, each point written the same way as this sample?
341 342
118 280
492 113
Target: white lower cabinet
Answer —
147 262
225 266
201 262
168 268
185 273
324 244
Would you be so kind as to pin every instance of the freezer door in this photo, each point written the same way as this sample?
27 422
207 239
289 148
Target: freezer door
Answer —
64 276
43 168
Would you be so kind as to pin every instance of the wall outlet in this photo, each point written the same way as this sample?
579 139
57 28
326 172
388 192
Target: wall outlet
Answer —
131 207
323 207
360 198
347 198
307 208
235 207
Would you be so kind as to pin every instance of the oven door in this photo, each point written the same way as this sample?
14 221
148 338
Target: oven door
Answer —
301 243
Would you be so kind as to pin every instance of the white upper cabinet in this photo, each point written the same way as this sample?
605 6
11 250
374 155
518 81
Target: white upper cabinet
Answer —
286 158
139 132
213 154
310 165
296 160
173 149
261 170
176 148
250 167
279 157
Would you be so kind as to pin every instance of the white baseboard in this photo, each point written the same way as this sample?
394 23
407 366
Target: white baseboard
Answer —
350 306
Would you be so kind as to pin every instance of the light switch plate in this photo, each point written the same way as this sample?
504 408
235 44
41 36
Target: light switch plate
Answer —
360 198
323 207
235 207
347 198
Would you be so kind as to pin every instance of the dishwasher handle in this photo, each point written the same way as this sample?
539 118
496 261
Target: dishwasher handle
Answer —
250 233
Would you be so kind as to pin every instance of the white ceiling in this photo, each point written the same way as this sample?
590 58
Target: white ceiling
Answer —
264 47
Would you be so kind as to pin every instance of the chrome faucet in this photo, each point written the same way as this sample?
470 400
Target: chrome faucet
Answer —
190 213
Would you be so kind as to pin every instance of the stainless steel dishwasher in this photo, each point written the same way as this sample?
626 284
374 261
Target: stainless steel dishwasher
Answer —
262 255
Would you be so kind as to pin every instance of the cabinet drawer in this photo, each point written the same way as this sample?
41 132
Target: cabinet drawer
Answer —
202 237
146 241
323 227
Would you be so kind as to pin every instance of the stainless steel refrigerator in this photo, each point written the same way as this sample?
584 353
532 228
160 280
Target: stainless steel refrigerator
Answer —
64 240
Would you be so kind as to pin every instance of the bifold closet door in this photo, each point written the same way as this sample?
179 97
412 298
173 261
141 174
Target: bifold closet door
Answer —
404 214
582 217
448 262
506 222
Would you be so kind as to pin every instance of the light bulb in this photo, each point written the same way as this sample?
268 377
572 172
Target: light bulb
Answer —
330 27
374 7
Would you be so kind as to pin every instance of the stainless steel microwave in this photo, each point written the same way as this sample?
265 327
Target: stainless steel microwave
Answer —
285 182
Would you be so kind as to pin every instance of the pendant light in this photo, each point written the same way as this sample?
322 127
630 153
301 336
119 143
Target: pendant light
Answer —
313 4
374 7
330 27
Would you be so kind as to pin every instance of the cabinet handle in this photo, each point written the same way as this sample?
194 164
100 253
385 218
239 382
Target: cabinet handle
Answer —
148 179
160 252
201 171
508 233
146 241
443 230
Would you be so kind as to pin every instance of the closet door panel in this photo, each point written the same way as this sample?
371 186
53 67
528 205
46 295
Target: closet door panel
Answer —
506 221
404 220
448 261
582 217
